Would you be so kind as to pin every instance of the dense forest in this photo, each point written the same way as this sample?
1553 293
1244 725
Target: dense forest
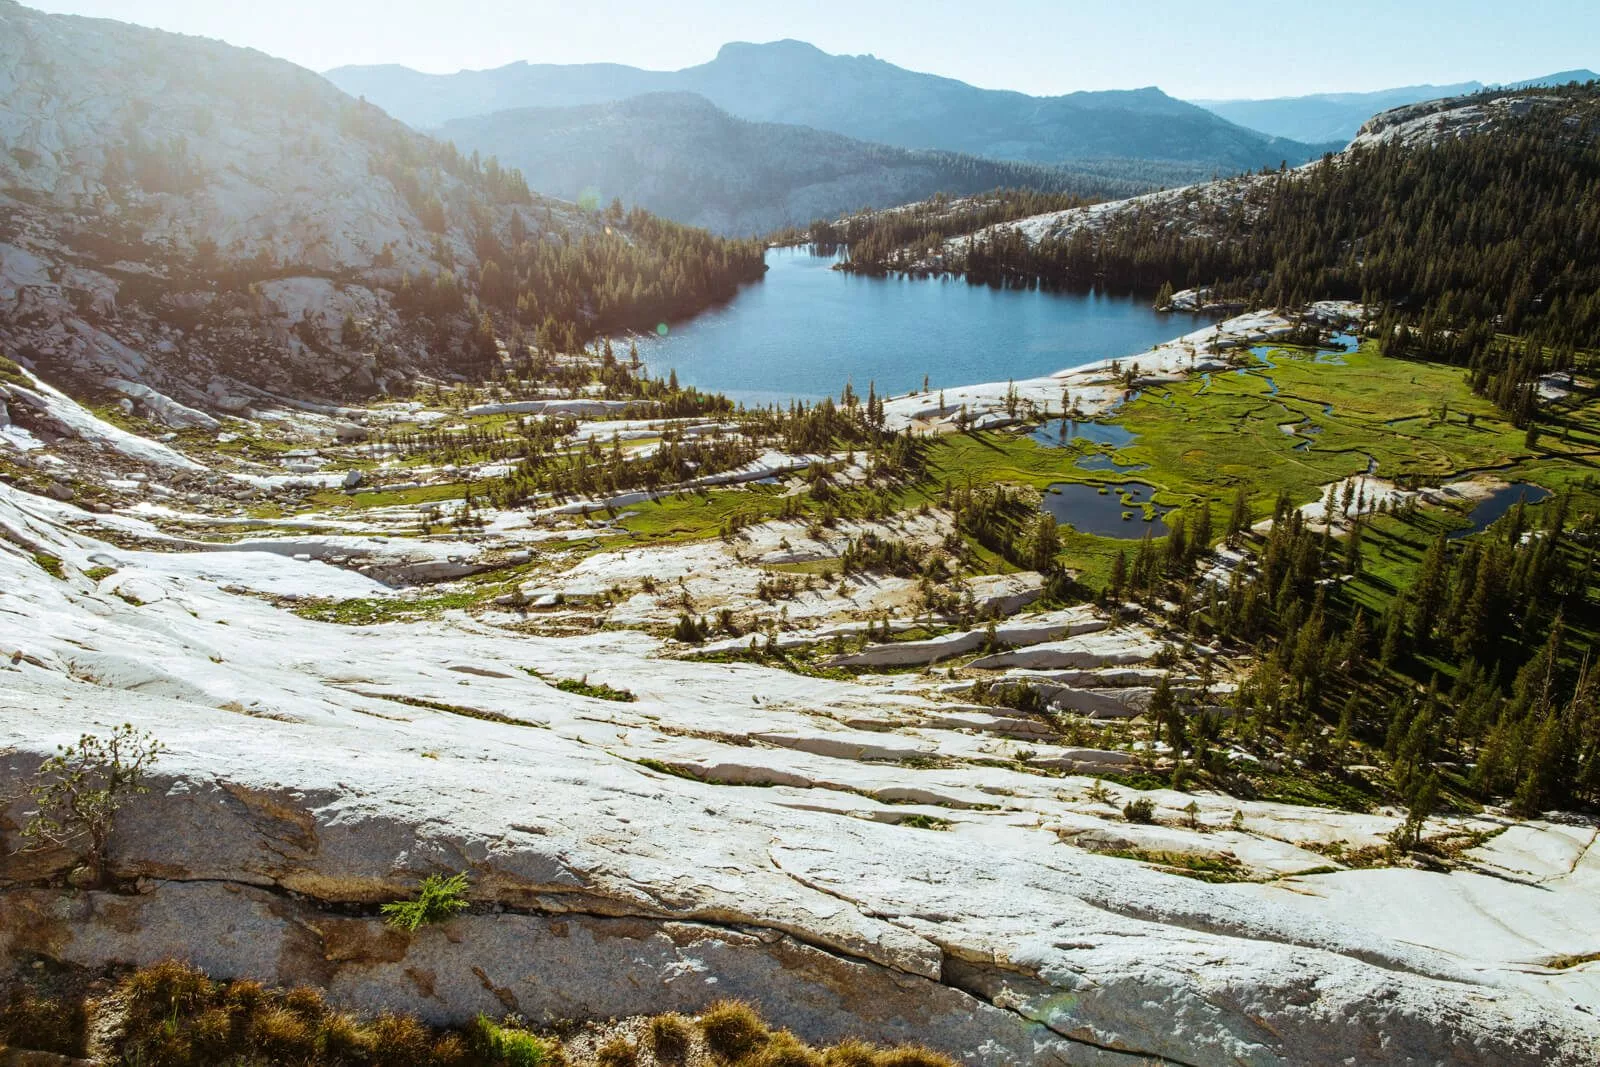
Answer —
1473 680
638 271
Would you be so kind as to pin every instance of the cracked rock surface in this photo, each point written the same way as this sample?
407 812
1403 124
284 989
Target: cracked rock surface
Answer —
315 771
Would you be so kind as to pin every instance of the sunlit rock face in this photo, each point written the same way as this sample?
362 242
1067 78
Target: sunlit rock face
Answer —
203 220
859 857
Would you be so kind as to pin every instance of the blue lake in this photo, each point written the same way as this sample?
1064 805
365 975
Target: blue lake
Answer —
805 330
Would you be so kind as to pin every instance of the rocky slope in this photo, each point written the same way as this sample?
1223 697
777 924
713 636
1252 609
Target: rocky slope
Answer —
679 155
222 227
1460 116
858 96
874 856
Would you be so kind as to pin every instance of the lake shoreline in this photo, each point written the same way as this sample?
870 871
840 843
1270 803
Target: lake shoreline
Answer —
1099 386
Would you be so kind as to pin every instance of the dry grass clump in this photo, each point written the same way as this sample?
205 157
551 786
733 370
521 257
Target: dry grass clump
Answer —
173 1015
670 1039
177 1017
43 1022
736 1035
732 1030
851 1053
618 1052
783 1049
912 1056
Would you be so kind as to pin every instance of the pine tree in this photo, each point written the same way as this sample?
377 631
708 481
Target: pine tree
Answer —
1239 517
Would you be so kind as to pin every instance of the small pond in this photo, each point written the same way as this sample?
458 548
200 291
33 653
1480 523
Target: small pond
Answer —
1088 510
1058 433
1500 502
1102 462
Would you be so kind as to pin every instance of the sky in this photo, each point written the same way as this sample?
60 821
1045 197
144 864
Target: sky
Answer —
1221 49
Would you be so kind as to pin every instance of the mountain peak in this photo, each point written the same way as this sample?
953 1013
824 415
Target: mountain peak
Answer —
788 47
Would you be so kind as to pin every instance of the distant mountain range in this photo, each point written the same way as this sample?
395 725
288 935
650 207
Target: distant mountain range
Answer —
858 96
680 155
1339 116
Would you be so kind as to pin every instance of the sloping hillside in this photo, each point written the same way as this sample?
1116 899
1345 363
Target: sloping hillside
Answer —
858 96
679 155
1515 173
180 213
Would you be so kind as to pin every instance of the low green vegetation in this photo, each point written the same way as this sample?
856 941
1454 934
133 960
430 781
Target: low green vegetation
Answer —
1205 868
12 374
437 900
598 690
512 1045
51 565
371 611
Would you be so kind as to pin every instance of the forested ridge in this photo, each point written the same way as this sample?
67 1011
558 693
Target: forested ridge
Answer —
1497 226
634 270
638 271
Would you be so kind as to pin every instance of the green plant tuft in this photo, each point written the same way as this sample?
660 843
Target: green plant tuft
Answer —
438 899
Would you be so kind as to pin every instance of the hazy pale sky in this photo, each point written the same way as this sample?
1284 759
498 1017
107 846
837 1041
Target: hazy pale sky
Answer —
1221 48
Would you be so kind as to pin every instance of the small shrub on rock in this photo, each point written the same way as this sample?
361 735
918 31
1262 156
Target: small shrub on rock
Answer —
437 900
81 788
1140 809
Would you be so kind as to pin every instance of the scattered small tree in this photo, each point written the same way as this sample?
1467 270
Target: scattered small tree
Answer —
1408 834
81 788
1140 809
